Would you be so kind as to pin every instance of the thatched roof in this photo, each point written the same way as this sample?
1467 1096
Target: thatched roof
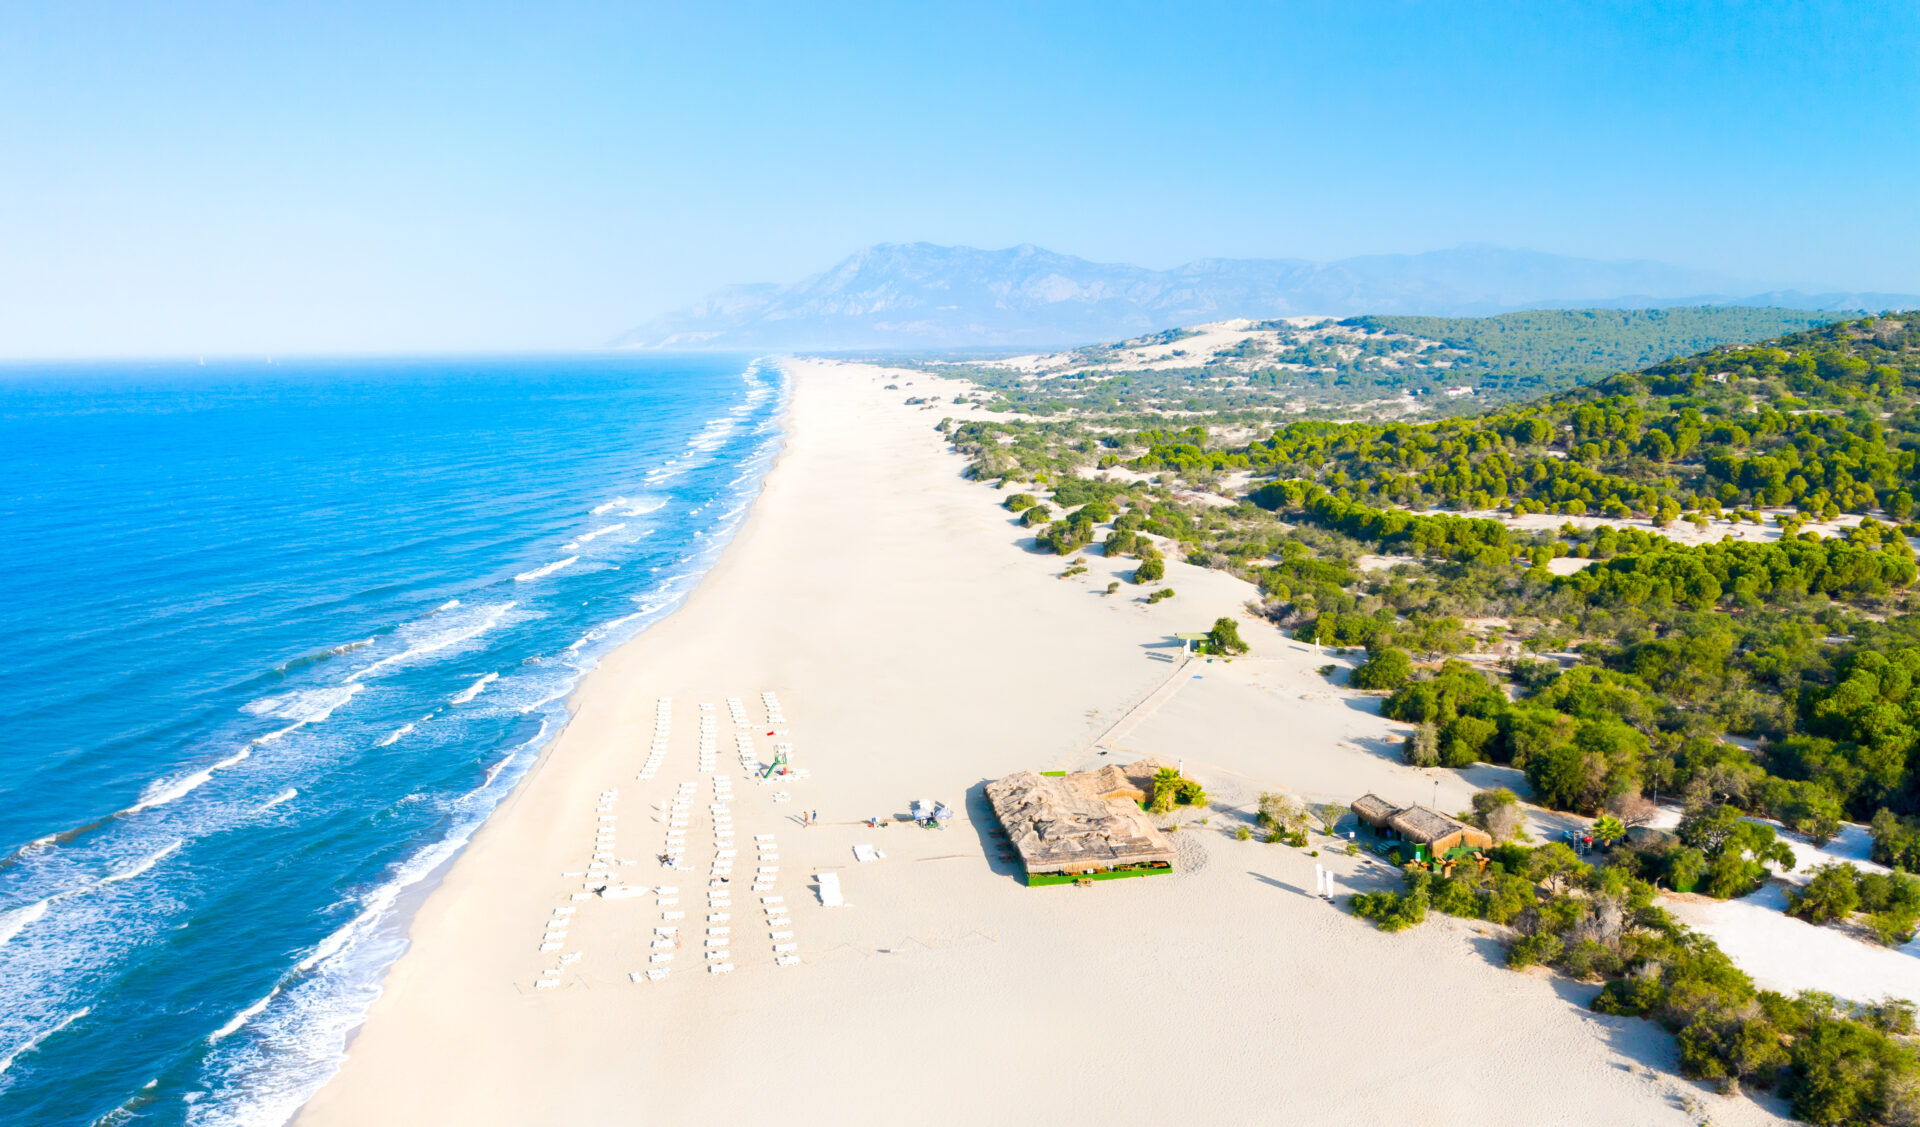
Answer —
1061 824
1374 810
1419 824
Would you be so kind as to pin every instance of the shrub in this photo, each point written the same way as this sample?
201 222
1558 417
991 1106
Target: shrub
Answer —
1035 514
1019 502
1535 950
1241 833
1832 894
1423 747
1160 596
1282 811
1224 638
1391 911
1386 669
1150 571
1498 812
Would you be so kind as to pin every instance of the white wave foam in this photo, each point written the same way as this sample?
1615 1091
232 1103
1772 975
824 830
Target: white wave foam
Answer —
599 532
393 737
605 505
438 642
544 571
308 706
546 700
33 1042
284 796
142 865
637 511
168 790
473 690
302 706
12 922
448 605
244 1016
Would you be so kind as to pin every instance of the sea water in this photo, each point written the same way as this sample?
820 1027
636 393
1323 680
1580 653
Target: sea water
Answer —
275 638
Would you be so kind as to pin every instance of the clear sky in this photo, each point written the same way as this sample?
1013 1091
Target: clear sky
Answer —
181 178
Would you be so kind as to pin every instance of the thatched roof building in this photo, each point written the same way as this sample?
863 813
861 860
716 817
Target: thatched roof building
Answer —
1420 825
1082 823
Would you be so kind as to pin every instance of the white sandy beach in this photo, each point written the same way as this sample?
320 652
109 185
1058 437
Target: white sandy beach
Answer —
920 647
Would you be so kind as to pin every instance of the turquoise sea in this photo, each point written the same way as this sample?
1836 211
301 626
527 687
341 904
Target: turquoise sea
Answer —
276 637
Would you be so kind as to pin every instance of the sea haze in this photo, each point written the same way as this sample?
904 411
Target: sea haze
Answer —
278 637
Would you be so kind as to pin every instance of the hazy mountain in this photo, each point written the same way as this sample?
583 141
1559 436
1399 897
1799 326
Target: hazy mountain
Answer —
917 295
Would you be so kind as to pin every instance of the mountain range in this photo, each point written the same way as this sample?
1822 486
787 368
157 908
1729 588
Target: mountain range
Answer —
923 296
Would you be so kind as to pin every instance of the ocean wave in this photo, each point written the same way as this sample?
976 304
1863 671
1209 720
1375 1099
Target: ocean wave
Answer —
142 865
11 923
302 706
474 690
599 532
637 511
284 796
327 654
237 1020
543 571
325 996
170 790
605 505
394 736
438 642
34 1042
448 605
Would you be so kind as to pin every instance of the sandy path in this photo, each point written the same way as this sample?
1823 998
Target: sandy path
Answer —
918 650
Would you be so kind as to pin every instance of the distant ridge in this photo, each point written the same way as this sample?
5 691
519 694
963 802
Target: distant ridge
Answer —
923 296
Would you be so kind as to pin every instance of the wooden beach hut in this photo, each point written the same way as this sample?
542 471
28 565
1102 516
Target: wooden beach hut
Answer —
1435 835
1080 825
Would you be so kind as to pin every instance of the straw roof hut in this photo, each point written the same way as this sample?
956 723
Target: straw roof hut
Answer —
1374 810
1421 825
1084 822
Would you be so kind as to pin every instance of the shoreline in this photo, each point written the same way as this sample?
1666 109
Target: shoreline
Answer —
920 646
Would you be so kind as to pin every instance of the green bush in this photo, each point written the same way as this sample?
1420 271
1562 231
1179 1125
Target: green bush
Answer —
1161 595
1391 911
1535 950
1150 571
1386 669
1224 638
1832 894
1019 502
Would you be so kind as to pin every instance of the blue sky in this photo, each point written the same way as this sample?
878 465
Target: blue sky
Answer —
202 178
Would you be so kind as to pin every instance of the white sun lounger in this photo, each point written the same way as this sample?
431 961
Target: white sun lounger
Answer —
780 935
673 915
665 957
786 947
771 899
546 983
780 921
719 968
830 890
787 960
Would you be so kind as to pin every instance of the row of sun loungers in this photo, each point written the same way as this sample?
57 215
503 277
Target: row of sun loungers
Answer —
679 813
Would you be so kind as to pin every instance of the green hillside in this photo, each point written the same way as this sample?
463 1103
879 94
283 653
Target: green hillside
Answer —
1582 343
